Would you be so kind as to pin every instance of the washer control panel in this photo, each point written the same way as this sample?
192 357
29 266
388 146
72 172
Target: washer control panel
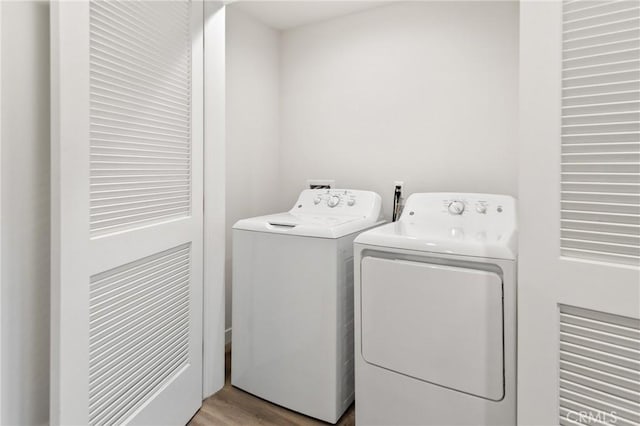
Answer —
338 201
333 198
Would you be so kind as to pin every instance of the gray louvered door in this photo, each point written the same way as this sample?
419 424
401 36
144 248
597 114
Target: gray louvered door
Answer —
127 215
579 265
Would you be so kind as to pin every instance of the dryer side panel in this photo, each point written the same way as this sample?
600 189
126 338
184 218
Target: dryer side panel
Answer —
439 324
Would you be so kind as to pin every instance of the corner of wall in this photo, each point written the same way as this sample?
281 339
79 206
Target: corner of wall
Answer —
253 123
214 190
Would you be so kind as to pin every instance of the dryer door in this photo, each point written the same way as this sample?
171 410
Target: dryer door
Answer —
439 324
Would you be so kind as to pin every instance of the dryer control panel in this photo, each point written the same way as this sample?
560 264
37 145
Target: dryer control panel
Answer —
483 207
474 204
461 222
349 202
479 225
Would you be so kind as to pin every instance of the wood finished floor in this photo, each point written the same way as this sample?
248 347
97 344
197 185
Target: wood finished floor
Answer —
232 406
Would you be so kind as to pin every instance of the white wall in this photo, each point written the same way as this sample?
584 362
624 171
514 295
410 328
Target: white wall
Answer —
25 213
252 72
424 92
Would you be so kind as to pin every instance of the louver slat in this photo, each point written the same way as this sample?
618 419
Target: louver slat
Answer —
138 332
140 123
599 368
600 180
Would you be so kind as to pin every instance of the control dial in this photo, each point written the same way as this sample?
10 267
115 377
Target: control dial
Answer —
456 207
481 208
317 199
333 201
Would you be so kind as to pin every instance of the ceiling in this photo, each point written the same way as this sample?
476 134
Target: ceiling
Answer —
283 15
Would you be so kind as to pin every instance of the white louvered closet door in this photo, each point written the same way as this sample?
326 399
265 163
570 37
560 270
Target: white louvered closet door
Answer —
579 266
127 150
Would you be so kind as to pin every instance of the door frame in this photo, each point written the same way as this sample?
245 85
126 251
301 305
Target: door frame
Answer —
1 334
213 313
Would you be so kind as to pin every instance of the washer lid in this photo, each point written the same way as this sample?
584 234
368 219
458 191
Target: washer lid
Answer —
308 225
322 213
479 225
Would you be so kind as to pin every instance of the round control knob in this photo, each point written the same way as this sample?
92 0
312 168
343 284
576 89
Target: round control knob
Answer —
317 200
333 201
456 207
351 201
481 208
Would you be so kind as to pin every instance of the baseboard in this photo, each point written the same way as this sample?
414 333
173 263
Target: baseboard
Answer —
227 336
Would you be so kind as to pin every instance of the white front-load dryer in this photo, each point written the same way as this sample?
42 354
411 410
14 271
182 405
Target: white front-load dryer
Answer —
292 306
435 314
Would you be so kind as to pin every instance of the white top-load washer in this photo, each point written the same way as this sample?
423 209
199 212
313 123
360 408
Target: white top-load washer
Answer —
292 311
435 314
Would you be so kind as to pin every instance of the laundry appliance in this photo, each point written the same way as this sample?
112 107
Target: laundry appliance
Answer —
292 309
435 314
